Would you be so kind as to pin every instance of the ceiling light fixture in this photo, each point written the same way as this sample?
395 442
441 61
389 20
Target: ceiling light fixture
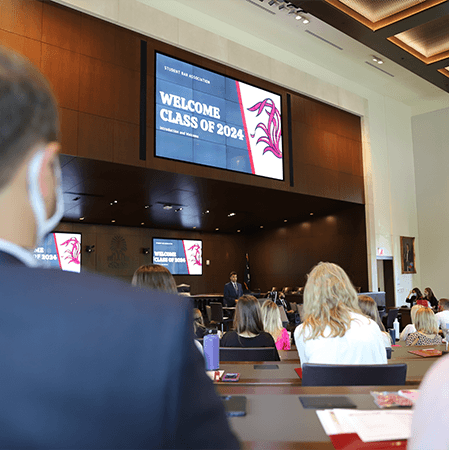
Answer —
178 209
261 226
81 218
231 214
306 21
147 206
143 223
216 229
377 59
311 214
167 207
238 231
113 221
285 220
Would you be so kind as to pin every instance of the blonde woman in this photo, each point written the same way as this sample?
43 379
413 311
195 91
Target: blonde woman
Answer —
427 329
334 330
410 328
369 307
272 324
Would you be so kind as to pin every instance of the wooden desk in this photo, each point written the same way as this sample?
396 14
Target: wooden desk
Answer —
276 419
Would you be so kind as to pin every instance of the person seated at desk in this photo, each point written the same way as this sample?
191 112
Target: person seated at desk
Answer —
430 297
369 307
427 329
199 329
248 326
232 291
443 316
334 330
272 324
410 328
415 296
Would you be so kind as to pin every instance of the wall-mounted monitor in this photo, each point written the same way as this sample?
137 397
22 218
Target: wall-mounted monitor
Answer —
179 256
61 250
206 118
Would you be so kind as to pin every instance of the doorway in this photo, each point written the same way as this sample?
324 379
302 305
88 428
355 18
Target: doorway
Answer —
385 279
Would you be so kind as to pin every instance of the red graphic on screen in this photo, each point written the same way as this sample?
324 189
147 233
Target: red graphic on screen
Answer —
272 130
196 256
72 252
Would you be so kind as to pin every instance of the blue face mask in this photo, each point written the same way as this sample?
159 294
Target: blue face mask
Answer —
44 225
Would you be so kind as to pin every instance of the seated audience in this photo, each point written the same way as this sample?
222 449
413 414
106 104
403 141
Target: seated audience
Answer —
430 297
155 277
443 315
415 297
431 411
427 329
410 328
369 307
199 329
334 330
248 326
272 324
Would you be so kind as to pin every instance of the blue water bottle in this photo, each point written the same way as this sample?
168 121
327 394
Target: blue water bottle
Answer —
211 345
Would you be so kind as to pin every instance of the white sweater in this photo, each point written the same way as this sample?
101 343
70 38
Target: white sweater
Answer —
362 343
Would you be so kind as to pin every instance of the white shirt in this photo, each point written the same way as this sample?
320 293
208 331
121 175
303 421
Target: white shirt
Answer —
442 318
410 328
362 343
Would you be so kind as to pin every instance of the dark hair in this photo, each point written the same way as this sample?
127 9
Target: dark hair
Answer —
28 112
444 303
232 273
417 292
156 277
430 293
247 315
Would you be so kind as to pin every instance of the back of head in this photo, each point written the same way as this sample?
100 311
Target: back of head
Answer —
369 307
271 318
444 304
329 298
247 315
28 112
198 321
425 321
154 276
413 312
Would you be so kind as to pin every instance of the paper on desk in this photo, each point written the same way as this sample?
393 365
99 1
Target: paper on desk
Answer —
331 424
375 425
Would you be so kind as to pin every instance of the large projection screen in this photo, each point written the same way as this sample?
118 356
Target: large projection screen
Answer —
179 256
206 118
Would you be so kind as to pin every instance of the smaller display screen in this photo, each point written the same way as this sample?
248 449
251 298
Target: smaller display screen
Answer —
61 250
179 256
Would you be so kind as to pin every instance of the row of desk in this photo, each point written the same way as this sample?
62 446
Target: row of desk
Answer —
275 416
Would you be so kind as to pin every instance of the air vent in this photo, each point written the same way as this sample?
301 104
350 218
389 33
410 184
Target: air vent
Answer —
378 68
323 39
261 7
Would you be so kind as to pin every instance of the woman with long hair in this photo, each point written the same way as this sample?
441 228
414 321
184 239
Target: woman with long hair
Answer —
156 277
415 297
334 330
199 329
426 329
248 326
410 328
369 307
430 297
272 324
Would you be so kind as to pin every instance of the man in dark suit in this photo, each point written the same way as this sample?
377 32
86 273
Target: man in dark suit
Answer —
87 362
232 290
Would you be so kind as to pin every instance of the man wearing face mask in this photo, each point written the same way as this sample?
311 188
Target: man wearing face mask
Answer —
80 368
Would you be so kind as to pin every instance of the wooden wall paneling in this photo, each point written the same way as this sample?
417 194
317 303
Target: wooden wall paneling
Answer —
126 92
61 26
95 137
126 144
29 48
349 126
97 39
62 68
320 182
127 49
97 87
68 120
345 155
298 107
23 17
351 188
328 151
357 159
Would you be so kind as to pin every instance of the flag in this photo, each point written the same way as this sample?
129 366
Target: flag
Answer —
247 276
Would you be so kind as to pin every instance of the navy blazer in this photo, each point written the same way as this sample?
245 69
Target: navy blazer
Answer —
90 362
230 295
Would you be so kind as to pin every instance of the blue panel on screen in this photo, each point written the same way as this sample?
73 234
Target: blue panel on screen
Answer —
165 92
233 113
209 82
231 90
174 146
171 69
238 159
210 155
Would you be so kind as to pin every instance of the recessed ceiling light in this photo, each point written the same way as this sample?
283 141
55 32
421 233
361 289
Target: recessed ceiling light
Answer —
311 214
261 226
285 220
147 206
143 223
231 214
81 218
194 228
216 229
178 209
306 21
115 201
238 231
167 207
298 17
113 221
380 61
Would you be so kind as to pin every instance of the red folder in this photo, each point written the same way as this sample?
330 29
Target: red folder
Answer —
299 372
351 441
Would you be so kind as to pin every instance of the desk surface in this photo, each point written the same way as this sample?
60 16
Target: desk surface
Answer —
291 426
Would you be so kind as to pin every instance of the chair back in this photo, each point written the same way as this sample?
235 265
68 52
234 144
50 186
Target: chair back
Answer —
216 311
284 318
354 375
392 314
209 313
249 354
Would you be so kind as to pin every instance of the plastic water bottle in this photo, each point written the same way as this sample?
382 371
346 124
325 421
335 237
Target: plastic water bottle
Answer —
211 345
396 328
